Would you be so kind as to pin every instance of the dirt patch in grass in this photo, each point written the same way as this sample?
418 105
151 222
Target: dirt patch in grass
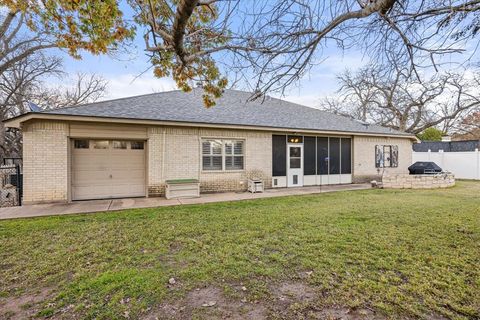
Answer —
334 313
288 300
299 300
292 300
208 303
24 306
289 292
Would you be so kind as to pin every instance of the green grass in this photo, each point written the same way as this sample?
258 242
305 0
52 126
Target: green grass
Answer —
401 253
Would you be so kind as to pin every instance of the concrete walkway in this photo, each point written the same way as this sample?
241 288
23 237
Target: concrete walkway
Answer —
39 210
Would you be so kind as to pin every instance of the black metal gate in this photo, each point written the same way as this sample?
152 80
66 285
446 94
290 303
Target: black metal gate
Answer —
11 185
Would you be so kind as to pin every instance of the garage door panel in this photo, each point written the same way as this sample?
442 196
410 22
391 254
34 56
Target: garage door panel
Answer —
93 177
131 190
132 175
130 164
91 161
108 173
88 192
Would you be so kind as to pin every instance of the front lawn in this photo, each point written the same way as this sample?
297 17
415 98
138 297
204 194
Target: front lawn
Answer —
371 254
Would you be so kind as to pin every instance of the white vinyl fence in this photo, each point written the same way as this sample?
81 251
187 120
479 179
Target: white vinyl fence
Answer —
464 165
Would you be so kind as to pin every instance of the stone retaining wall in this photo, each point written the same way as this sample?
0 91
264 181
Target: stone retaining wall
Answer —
420 181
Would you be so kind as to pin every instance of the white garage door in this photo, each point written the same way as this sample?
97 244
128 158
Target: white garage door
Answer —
104 169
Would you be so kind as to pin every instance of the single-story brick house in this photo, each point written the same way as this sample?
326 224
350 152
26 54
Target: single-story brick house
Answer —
129 147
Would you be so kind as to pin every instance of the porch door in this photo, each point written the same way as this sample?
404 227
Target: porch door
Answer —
294 165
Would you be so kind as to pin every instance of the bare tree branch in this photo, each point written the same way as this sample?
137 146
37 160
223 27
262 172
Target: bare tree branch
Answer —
15 47
400 100
271 45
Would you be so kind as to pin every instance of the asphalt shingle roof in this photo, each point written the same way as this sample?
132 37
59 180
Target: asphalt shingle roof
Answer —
232 108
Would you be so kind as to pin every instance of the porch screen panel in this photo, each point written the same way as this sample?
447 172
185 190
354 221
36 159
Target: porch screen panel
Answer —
279 156
309 167
346 147
334 156
322 155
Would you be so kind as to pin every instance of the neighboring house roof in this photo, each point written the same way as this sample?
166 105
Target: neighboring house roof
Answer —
450 146
233 108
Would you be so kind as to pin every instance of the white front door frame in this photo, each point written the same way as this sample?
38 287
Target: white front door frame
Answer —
294 165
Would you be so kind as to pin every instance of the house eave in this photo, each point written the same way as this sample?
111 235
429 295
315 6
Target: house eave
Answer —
17 122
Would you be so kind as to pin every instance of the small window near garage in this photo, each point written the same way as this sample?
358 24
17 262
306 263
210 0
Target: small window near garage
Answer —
119 144
100 144
136 145
81 144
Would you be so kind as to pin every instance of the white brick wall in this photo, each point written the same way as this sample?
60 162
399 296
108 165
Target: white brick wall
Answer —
364 157
45 160
155 152
182 149
182 158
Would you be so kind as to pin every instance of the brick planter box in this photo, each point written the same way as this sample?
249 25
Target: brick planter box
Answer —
420 181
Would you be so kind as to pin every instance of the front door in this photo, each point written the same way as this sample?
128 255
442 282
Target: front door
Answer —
295 165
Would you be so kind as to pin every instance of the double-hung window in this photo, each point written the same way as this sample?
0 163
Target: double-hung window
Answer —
219 155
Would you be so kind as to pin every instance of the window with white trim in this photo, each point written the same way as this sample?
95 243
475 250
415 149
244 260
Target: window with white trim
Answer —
219 154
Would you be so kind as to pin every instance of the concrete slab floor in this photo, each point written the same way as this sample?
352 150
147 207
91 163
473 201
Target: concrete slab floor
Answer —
91 206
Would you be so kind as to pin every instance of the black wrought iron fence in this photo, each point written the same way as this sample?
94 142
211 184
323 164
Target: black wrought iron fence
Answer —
9 161
11 185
